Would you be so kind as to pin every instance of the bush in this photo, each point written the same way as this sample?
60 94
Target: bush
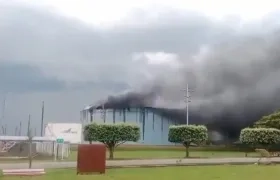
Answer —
260 136
269 121
188 135
112 135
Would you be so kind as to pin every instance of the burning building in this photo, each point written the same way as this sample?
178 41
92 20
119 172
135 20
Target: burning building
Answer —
154 122
154 126
235 83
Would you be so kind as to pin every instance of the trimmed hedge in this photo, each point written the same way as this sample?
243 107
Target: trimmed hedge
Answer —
188 135
260 136
112 135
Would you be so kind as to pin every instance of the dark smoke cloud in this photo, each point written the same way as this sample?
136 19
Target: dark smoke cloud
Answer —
130 99
235 83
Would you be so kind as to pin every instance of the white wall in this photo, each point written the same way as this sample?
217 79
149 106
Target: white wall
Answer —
71 132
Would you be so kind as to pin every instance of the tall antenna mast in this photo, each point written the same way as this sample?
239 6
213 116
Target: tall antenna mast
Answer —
187 100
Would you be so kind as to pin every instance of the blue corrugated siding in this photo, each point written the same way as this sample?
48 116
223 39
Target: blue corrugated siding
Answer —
154 128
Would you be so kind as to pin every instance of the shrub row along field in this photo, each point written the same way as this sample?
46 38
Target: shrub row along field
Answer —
179 173
114 135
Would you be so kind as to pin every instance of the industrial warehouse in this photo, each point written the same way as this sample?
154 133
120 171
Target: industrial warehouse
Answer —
154 126
154 122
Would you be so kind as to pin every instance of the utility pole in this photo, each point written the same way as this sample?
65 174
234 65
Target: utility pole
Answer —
103 113
3 111
29 135
28 125
6 130
42 118
19 128
187 100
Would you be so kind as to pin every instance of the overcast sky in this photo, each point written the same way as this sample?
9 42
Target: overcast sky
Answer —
71 53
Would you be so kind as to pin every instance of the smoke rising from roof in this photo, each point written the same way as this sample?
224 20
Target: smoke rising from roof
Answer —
234 82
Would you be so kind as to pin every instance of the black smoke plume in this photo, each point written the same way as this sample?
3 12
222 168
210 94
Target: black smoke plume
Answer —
234 82
130 99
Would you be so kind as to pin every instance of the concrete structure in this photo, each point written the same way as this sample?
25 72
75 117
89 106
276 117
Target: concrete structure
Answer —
154 126
70 132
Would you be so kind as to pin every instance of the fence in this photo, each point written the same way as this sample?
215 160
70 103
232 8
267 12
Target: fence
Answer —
19 147
53 149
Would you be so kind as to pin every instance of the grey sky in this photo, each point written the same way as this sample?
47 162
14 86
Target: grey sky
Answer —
69 64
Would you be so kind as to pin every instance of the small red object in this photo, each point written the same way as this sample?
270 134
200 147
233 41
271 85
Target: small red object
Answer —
91 158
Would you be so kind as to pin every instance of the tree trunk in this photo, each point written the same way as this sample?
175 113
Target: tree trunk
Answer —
111 152
187 151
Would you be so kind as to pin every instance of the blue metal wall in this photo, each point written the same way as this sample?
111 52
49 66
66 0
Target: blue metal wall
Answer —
154 128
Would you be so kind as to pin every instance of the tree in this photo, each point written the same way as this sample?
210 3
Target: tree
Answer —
187 135
259 136
269 121
112 135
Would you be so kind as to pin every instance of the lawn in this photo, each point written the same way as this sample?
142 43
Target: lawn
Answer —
226 172
160 154
177 151
150 154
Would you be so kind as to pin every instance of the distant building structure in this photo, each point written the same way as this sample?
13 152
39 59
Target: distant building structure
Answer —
153 124
71 132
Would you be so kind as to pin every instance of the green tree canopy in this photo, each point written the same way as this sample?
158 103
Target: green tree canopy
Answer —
187 135
112 135
259 136
269 121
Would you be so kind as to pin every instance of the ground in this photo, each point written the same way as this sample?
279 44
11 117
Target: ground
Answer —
123 154
162 154
223 172
177 151
226 172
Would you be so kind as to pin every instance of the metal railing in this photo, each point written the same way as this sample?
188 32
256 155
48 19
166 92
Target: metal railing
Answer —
6 146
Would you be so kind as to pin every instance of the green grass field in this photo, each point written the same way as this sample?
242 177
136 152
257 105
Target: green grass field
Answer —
149 154
157 154
167 173
124 152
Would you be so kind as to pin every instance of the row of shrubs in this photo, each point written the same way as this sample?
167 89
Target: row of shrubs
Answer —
113 135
